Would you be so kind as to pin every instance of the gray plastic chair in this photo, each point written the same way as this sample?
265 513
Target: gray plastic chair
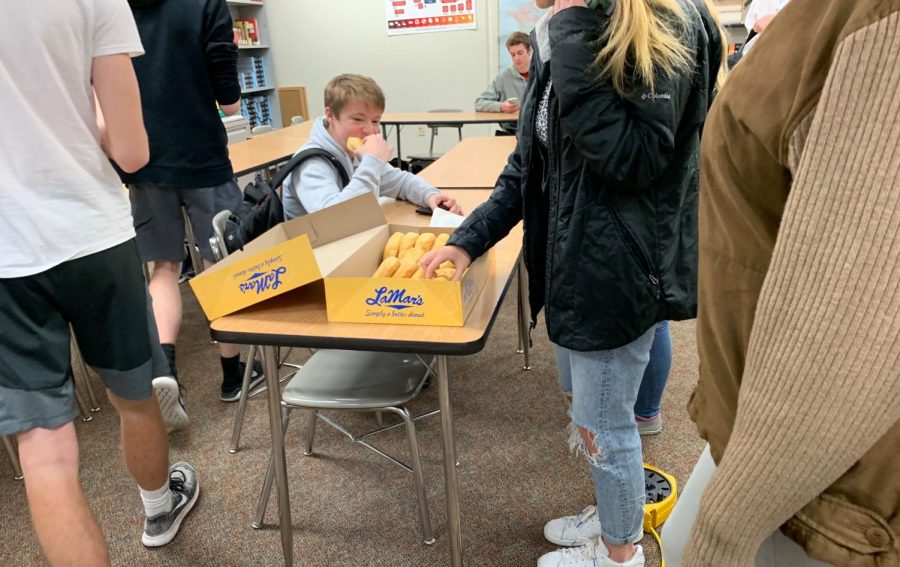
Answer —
358 381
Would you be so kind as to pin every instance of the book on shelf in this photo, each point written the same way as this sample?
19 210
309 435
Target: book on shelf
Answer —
256 110
245 31
252 73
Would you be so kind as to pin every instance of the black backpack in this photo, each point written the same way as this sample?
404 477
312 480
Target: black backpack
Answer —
261 208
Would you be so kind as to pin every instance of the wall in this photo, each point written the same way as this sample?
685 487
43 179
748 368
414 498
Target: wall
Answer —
314 40
311 44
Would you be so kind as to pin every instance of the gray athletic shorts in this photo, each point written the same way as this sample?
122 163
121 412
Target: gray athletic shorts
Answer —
159 223
104 298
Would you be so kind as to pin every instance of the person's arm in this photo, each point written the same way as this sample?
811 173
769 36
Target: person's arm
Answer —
231 109
406 186
626 141
491 221
759 15
221 56
120 118
490 99
820 384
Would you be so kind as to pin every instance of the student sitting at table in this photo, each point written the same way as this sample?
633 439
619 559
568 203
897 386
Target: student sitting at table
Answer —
508 88
353 108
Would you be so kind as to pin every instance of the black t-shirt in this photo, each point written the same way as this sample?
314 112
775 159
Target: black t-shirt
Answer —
190 62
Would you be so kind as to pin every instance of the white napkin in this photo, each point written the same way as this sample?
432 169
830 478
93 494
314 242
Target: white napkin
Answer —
442 218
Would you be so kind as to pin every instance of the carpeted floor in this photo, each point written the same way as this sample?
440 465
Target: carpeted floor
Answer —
351 507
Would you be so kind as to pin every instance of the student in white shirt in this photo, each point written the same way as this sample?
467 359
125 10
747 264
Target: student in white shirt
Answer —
68 257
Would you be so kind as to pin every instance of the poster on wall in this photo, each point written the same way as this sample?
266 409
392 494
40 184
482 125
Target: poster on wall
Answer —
421 16
515 15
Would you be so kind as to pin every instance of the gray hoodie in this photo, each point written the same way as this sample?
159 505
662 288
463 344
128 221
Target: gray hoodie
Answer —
508 83
319 185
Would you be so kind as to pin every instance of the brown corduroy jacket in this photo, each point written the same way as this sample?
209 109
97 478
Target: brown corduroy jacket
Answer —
766 116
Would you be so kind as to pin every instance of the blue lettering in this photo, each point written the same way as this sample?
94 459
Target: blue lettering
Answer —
394 298
262 282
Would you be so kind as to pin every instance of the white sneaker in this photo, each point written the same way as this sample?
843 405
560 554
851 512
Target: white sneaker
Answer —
593 554
574 530
168 393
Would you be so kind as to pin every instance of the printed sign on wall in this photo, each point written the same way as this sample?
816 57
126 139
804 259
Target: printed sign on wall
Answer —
420 16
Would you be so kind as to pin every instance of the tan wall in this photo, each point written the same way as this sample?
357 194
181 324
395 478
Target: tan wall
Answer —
311 44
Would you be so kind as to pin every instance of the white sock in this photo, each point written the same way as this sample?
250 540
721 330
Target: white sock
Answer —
158 501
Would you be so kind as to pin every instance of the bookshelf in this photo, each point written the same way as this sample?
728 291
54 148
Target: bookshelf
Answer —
259 97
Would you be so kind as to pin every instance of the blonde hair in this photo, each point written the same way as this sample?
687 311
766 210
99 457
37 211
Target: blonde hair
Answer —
643 40
347 87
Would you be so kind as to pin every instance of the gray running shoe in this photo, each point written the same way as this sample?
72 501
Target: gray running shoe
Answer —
160 530
171 403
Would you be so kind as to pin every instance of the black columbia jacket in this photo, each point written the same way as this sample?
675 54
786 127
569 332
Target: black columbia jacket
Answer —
610 211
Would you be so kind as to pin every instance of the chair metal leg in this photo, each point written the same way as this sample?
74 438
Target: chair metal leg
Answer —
270 477
79 360
242 403
92 397
424 513
192 243
13 457
82 406
520 349
311 432
523 314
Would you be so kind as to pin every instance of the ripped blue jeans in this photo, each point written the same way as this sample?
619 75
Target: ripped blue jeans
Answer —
603 385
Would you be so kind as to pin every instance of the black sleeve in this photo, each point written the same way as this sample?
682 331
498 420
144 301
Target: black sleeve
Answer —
491 221
713 49
221 52
628 141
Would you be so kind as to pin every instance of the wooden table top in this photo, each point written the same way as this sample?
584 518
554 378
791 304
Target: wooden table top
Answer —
471 164
263 150
447 117
298 318
298 130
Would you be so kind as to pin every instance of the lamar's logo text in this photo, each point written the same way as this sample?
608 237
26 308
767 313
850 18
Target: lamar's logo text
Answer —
394 298
263 281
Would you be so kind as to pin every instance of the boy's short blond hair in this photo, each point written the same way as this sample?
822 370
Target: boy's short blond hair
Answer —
348 87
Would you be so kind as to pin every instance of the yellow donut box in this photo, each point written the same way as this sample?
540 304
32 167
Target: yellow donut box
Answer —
342 245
